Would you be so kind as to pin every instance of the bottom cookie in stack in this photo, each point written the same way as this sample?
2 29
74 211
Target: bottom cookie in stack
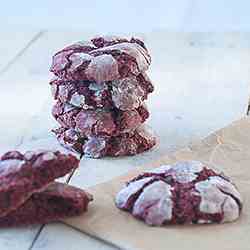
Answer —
130 143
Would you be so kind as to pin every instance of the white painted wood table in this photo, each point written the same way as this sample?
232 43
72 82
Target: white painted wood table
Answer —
201 81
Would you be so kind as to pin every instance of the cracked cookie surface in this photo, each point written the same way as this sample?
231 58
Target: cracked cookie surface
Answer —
101 59
124 94
135 142
182 193
99 122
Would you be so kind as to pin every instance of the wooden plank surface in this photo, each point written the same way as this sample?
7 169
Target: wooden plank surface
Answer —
68 239
16 239
12 46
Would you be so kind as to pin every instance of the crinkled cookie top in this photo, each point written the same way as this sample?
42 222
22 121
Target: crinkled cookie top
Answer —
185 192
101 59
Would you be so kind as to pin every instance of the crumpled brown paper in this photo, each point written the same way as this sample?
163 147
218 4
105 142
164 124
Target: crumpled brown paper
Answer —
229 150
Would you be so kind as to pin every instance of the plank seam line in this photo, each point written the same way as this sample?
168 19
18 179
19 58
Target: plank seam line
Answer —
22 51
93 236
36 237
73 172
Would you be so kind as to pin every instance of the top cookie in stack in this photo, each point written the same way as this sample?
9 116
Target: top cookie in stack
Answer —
100 87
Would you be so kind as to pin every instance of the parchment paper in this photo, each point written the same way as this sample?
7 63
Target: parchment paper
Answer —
229 150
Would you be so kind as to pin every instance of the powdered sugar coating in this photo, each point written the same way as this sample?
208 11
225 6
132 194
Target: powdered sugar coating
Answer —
125 94
154 204
11 165
99 146
100 121
184 192
78 59
186 171
95 147
102 68
225 186
102 59
215 197
28 155
77 100
48 156
160 170
131 189
82 94
97 88
70 139
65 114
135 51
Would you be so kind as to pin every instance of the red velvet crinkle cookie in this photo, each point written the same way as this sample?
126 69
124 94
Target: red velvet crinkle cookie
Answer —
82 94
101 59
185 192
57 201
99 122
21 175
138 141
70 139
125 94
65 114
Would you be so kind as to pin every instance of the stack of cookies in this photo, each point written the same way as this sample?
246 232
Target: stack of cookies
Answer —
100 87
